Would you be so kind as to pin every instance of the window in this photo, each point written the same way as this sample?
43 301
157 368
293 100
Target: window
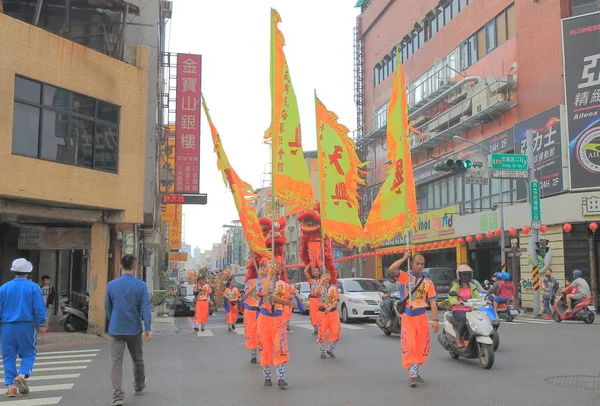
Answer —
385 69
472 50
447 14
463 4
434 25
580 7
440 18
501 28
415 41
510 22
421 38
66 127
481 47
404 51
490 36
455 7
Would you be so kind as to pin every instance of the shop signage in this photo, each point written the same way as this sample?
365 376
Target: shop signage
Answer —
547 151
54 239
436 225
590 206
178 256
175 228
488 221
581 54
128 244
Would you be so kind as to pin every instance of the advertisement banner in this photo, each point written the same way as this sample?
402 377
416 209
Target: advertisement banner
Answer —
498 143
175 228
436 225
178 256
581 53
547 151
187 113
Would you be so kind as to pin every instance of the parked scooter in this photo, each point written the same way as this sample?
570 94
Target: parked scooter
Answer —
480 343
382 321
74 319
583 310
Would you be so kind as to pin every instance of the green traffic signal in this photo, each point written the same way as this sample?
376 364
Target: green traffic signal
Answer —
450 165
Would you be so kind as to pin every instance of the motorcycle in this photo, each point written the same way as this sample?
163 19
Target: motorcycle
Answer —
583 310
74 319
488 309
480 331
381 321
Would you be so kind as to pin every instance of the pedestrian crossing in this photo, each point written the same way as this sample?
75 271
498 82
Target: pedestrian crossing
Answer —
54 374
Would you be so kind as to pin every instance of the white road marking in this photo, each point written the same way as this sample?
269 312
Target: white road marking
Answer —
43 388
32 402
45 377
68 356
205 333
307 326
42 353
239 330
352 327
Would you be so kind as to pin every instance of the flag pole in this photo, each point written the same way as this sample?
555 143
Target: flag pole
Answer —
273 138
319 151
408 267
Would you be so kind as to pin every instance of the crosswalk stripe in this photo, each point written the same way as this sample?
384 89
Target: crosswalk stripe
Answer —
69 368
239 330
79 361
306 326
59 376
371 325
352 327
68 356
43 388
41 353
33 402
205 333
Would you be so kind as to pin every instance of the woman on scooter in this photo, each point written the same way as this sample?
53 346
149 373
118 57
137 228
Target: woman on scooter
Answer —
465 289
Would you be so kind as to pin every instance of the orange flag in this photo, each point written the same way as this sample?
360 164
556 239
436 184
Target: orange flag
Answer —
395 208
291 179
339 167
243 194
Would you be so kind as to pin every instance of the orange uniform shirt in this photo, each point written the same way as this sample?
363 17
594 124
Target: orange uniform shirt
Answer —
252 300
203 292
328 297
281 290
422 295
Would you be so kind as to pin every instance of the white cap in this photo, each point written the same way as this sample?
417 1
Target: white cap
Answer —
21 265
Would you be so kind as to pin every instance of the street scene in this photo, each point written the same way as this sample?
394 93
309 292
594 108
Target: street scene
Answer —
329 203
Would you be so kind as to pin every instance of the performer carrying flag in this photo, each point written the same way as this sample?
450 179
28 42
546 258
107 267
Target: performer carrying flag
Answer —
328 317
252 309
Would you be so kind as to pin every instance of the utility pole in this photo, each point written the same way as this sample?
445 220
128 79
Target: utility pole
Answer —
535 271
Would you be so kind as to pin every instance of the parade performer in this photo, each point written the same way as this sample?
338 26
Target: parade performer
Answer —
202 292
328 317
415 339
251 307
288 310
231 296
272 334
312 247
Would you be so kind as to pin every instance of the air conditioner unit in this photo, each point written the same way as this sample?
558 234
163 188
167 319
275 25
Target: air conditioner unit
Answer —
499 98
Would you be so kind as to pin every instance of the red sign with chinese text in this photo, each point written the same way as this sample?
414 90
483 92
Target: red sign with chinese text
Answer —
187 147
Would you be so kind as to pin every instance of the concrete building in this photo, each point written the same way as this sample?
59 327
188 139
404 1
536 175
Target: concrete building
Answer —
484 71
75 101
197 255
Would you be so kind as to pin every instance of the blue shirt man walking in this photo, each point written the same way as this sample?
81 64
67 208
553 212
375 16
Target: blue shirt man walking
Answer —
127 303
22 308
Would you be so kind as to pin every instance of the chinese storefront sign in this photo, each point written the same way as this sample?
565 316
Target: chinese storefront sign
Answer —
488 221
590 206
547 151
436 225
187 148
178 256
175 228
581 36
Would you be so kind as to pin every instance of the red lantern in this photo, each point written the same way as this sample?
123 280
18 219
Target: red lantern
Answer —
526 230
544 228
479 237
498 232
421 247
567 227
403 250
428 245
489 235
593 227
460 240
452 241
512 231
436 244
469 239
444 243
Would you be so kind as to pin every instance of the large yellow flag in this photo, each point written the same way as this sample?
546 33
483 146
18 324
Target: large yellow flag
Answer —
338 166
243 194
395 208
291 179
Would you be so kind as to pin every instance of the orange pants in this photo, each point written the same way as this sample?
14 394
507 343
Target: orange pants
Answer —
250 329
272 341
231 317
329 322
201 316
415 340
287 313
313 309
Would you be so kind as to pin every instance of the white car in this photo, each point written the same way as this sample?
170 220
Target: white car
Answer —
359 298
303 289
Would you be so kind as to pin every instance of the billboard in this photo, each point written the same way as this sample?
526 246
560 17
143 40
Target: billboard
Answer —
547 151
175 228
581 53
187 114
178 257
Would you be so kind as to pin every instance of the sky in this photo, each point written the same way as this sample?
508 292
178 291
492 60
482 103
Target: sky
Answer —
233 38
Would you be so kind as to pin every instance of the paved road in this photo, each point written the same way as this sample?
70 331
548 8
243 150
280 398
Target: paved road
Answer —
188 369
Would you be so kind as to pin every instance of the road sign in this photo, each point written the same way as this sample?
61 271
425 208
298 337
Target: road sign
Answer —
185 199
509 162
502 174
478 173
476 181
515 249
511 255
536 209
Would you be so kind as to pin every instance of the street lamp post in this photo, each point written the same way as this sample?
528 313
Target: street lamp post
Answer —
500 204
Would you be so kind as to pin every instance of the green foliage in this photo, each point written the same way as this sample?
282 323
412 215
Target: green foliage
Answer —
158 298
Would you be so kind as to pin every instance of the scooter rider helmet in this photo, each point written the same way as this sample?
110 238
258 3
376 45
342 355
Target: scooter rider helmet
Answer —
506 276
464 273
577 274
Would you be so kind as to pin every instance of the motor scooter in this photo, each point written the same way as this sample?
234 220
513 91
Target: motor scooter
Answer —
381 321
488 309
479 335
583 310
74 319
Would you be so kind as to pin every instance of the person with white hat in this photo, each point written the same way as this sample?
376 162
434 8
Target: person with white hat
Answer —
22 308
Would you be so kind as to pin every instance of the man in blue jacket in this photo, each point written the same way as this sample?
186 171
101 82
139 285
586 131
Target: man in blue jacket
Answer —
127 303
22 309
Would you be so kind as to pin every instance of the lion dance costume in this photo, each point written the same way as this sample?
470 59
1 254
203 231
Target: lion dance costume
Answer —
316 254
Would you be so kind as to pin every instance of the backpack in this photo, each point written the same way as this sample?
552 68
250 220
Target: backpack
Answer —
556 286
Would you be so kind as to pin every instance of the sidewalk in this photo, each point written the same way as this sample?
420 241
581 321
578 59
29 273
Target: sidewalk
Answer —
164 325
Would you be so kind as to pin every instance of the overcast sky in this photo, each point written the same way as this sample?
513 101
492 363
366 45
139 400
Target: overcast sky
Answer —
233 38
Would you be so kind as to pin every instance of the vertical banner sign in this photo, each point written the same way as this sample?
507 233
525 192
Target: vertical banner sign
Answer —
581 53
187 149
536 207
175 228
547 151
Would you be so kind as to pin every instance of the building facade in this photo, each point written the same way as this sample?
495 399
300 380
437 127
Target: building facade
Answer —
75 107
479 75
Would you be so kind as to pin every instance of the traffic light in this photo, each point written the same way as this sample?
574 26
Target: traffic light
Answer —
541 247
451 165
